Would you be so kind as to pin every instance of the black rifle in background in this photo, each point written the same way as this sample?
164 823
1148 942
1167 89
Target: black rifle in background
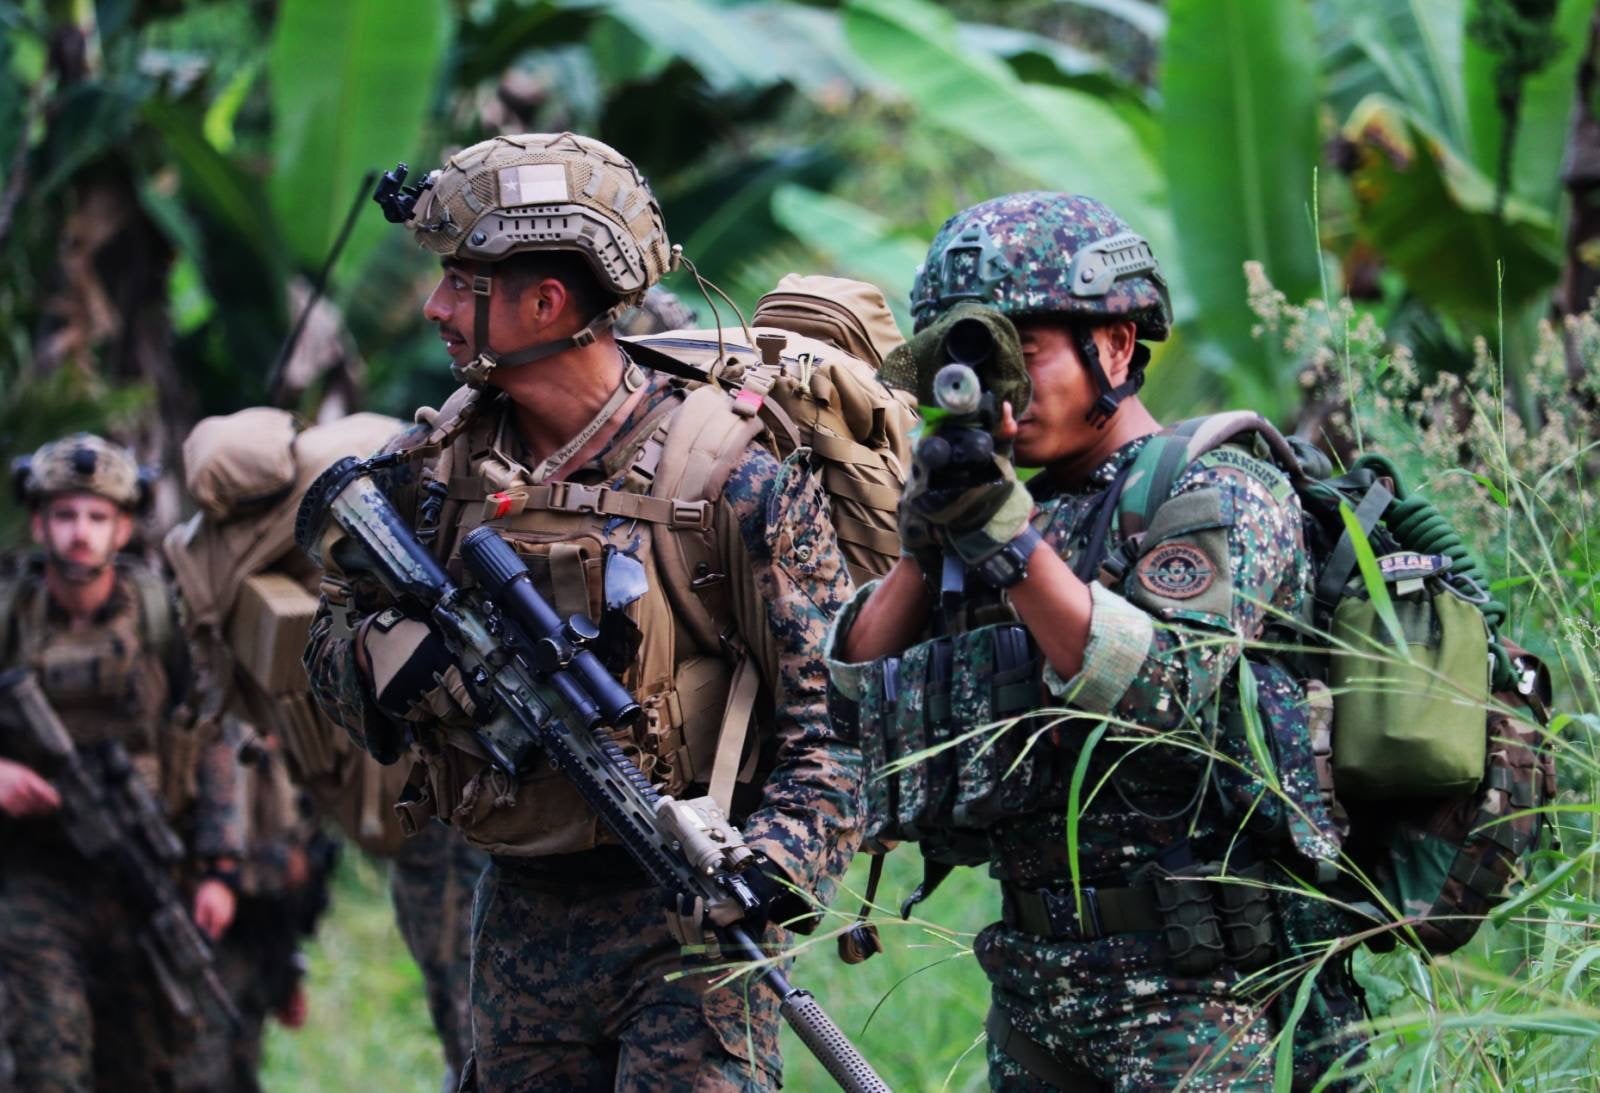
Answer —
113 820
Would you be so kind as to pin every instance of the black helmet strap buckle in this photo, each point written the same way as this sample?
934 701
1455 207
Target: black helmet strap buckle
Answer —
1110 397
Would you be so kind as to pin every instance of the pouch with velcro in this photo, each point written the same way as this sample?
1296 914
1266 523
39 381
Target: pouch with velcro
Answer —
1408 719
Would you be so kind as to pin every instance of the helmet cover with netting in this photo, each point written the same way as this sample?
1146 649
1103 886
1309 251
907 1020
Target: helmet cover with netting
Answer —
547 191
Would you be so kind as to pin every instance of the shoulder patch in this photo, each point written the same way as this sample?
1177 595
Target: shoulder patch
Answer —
1176 571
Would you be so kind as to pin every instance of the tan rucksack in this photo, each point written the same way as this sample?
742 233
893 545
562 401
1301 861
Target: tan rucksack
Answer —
250 595
811 380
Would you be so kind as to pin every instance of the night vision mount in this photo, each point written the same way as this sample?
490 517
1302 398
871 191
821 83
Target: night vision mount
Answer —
397 200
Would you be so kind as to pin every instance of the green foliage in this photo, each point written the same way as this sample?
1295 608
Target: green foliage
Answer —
351 86
1239 129
1060 138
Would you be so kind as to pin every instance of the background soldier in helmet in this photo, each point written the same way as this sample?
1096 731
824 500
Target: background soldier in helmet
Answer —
1136 986
240 576
581 459
99 633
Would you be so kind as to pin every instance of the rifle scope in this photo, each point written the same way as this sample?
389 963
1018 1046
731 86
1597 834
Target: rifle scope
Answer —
557 644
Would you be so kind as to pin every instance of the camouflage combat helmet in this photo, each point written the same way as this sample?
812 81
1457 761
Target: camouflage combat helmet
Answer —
81 463
538 192
1040 253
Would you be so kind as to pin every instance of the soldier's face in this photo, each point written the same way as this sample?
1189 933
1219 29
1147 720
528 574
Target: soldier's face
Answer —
452 307
81 532
1055 426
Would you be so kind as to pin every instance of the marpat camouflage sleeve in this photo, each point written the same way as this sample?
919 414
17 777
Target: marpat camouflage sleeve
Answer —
219 821
348 597
1234 558
808 820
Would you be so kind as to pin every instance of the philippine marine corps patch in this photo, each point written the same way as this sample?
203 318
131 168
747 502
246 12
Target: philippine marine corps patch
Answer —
1177 571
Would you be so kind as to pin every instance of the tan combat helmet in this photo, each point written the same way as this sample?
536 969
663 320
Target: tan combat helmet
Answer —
538 191
81 463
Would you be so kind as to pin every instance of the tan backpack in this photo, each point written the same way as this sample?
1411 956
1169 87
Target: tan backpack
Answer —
811 381
250 596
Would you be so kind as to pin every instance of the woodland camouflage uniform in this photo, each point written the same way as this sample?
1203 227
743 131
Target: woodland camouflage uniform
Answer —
89 1014
1109 1007
571 952
306 773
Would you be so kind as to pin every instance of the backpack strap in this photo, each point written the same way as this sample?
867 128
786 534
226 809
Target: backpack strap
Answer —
706 439
11 586
441 451
1158 466
156 622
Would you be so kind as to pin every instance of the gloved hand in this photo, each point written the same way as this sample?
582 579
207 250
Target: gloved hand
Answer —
412 674
690 926
971 507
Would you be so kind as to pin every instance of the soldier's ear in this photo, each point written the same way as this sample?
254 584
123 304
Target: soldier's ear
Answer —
1118 340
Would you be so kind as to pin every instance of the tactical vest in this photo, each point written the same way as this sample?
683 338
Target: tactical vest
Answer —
107 681
603 549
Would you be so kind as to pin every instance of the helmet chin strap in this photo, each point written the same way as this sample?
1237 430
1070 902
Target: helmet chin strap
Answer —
476 372
76 572
1110 397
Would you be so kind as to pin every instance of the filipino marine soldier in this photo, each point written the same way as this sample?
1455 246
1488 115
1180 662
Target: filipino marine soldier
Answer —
1131 643
99 633
562 444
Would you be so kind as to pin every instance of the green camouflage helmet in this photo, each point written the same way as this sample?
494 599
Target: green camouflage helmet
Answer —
547 191
81 463
1044 253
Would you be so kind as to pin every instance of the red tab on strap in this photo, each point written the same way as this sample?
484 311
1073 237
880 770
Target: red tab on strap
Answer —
747 402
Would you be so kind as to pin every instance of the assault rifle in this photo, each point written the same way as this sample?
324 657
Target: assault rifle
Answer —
113 818
970 364
548 696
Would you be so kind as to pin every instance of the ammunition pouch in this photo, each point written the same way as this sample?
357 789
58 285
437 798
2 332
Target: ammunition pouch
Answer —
947 738
1190 924
1207 918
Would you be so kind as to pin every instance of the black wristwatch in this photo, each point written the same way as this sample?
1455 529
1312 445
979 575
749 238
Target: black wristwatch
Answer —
1010 564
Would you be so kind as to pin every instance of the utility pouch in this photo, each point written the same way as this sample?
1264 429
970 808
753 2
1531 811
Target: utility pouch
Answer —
1409 728
873 714
1189 921
942 767
1249 926
415 806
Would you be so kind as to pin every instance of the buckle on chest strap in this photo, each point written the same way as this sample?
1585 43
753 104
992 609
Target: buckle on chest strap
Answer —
577 497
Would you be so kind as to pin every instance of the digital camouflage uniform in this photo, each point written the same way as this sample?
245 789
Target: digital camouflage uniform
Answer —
431 880
1159 678
89 1012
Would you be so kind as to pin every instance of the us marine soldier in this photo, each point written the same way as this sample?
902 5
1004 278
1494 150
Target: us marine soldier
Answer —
235 561
99 633
561 443
1136 987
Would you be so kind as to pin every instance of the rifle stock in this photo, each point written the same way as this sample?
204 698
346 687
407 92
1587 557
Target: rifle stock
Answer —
550 695
115 818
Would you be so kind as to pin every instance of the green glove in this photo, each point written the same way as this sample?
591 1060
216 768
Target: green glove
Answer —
974 521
